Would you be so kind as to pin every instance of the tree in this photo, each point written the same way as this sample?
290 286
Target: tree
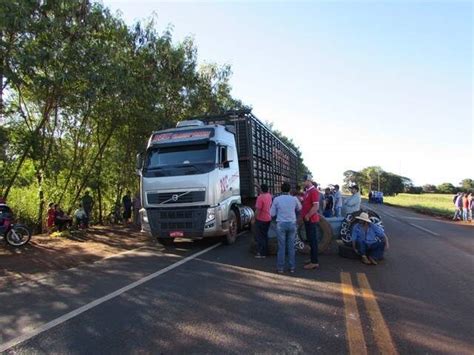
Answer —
446 188
428 188
80 94
467 184
374 176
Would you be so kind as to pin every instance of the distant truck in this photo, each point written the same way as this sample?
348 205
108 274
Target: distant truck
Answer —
201 178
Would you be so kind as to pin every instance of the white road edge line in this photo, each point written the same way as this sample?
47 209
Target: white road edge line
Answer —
86 307
423 229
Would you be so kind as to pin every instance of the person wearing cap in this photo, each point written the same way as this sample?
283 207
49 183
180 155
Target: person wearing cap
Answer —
352 203
309 213
368 240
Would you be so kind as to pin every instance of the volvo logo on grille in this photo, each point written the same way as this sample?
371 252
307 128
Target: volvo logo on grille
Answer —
175 198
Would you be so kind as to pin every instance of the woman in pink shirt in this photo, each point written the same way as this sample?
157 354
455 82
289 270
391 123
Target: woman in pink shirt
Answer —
262 221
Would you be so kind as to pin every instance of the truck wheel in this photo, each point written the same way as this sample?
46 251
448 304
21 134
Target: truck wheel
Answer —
231 235
167 242
325 235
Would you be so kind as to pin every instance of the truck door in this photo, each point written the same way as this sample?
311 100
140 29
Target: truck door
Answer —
227 173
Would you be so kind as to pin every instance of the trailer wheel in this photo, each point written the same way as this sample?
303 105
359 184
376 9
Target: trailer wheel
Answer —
231 235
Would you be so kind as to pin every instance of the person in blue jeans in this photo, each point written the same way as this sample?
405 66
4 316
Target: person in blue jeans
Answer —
284 208
368 240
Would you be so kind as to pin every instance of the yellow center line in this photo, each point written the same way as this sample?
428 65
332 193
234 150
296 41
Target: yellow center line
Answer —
355 336
379 327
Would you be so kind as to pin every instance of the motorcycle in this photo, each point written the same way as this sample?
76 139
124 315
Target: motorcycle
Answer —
16 235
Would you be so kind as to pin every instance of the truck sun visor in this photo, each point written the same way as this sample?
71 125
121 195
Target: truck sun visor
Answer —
180 135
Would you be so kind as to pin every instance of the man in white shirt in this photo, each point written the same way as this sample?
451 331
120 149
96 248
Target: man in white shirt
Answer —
352 203
337 201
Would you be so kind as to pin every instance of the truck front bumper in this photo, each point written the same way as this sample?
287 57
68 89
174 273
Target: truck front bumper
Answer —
193 222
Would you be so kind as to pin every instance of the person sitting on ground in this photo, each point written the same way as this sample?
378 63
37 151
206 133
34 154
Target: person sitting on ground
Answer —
80 217
328 203
352 203
369 240
61 220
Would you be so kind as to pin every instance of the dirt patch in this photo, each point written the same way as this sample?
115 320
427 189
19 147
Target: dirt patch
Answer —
45 253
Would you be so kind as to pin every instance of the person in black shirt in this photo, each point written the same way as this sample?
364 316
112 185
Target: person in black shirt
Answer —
127 207
328 203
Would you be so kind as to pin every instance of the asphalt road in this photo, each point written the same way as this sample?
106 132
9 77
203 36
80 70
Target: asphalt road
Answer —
208 298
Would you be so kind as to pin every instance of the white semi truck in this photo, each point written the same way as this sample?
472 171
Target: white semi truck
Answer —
201 178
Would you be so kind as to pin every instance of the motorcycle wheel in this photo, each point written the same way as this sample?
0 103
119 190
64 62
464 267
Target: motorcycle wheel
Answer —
18 236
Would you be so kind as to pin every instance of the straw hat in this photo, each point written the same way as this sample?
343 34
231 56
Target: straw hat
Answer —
364 217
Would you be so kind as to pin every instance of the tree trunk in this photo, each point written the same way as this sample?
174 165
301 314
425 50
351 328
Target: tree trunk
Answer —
99 197
91 167
44 119
39 220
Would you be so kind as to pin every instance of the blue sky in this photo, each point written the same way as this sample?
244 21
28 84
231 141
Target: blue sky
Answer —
353 83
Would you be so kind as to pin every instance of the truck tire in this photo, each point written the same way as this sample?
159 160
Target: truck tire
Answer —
346 251
350 221
325 235
167 242
231 235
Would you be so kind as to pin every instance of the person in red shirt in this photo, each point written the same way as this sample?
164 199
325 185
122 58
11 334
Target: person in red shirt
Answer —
310 216
262 221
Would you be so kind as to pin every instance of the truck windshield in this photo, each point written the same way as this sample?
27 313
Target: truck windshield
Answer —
181 160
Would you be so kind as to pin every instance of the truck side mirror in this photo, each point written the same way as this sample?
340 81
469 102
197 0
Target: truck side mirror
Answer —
139 163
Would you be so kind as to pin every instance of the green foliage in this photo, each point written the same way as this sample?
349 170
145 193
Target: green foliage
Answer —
428 188
467 185
446 188
375 178
81 92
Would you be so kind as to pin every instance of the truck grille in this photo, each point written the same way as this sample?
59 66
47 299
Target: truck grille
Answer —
176 197
190 221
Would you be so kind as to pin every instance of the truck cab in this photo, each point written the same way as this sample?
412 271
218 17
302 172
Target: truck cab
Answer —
190 184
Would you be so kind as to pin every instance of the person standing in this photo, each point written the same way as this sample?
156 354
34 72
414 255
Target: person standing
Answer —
465 207
337 201
284 208
51 217
328 203
87 203
458 207
469 207
127 207
310 216
262 221
137 204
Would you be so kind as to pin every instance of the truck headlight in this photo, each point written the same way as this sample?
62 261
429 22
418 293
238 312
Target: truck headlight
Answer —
211 214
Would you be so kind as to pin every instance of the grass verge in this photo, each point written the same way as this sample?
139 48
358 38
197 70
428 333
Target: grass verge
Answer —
432 204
